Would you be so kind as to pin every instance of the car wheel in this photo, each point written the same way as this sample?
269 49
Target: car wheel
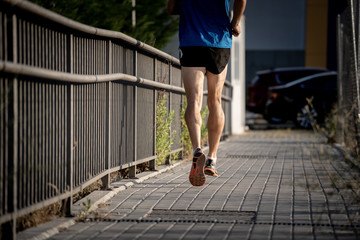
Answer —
306 117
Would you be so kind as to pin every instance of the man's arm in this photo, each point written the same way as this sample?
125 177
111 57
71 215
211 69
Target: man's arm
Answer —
173 7
239 8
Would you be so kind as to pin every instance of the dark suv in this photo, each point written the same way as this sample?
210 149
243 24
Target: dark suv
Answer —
258 89
304 101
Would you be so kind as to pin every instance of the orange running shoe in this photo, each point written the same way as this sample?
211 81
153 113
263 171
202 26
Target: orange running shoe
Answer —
210 168
197 176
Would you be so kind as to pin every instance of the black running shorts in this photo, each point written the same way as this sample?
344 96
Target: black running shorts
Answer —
213 59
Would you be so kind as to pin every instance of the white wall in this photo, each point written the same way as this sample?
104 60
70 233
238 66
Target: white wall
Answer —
237 78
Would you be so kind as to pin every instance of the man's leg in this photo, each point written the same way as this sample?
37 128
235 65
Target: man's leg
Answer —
216 117
193 78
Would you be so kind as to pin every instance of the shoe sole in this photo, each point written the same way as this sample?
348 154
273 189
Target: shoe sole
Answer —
210 172
197 176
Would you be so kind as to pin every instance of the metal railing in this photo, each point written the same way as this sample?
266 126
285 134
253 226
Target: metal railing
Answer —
76 104
348 76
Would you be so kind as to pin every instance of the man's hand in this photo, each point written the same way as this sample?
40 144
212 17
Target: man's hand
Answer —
239 7
235 29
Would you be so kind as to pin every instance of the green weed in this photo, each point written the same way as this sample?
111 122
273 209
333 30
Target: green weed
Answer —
164 135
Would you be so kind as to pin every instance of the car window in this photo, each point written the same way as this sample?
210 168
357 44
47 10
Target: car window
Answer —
323 82
255 80
283 78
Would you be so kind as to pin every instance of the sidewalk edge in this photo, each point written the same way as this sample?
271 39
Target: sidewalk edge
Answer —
117 187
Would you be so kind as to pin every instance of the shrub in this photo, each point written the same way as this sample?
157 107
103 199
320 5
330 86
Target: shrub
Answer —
164 135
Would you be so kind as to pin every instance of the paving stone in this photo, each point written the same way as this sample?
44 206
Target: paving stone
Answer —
157 231
178 231
114 231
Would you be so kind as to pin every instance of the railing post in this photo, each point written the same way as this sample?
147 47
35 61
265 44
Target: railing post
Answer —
153 162
106 179
9 228
358 62
354 50
341 119
170 103
67 203
13 168
132 169
182 99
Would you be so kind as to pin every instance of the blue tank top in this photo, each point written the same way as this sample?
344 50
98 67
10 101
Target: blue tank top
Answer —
205 23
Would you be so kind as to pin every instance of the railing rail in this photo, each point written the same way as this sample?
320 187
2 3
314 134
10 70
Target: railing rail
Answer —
76 104
19 69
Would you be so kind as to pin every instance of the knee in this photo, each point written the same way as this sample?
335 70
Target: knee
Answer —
194 105
214 103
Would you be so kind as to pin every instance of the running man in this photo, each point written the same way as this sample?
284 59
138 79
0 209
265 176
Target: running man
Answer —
205 34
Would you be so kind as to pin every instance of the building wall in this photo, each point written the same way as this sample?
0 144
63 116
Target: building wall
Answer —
316 33
275 34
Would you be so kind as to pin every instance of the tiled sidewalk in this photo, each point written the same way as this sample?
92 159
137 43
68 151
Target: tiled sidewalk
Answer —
276 184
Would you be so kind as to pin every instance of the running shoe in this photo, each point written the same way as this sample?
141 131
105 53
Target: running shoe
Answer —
210 168
197 176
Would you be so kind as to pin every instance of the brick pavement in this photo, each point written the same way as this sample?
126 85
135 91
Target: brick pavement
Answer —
275 184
